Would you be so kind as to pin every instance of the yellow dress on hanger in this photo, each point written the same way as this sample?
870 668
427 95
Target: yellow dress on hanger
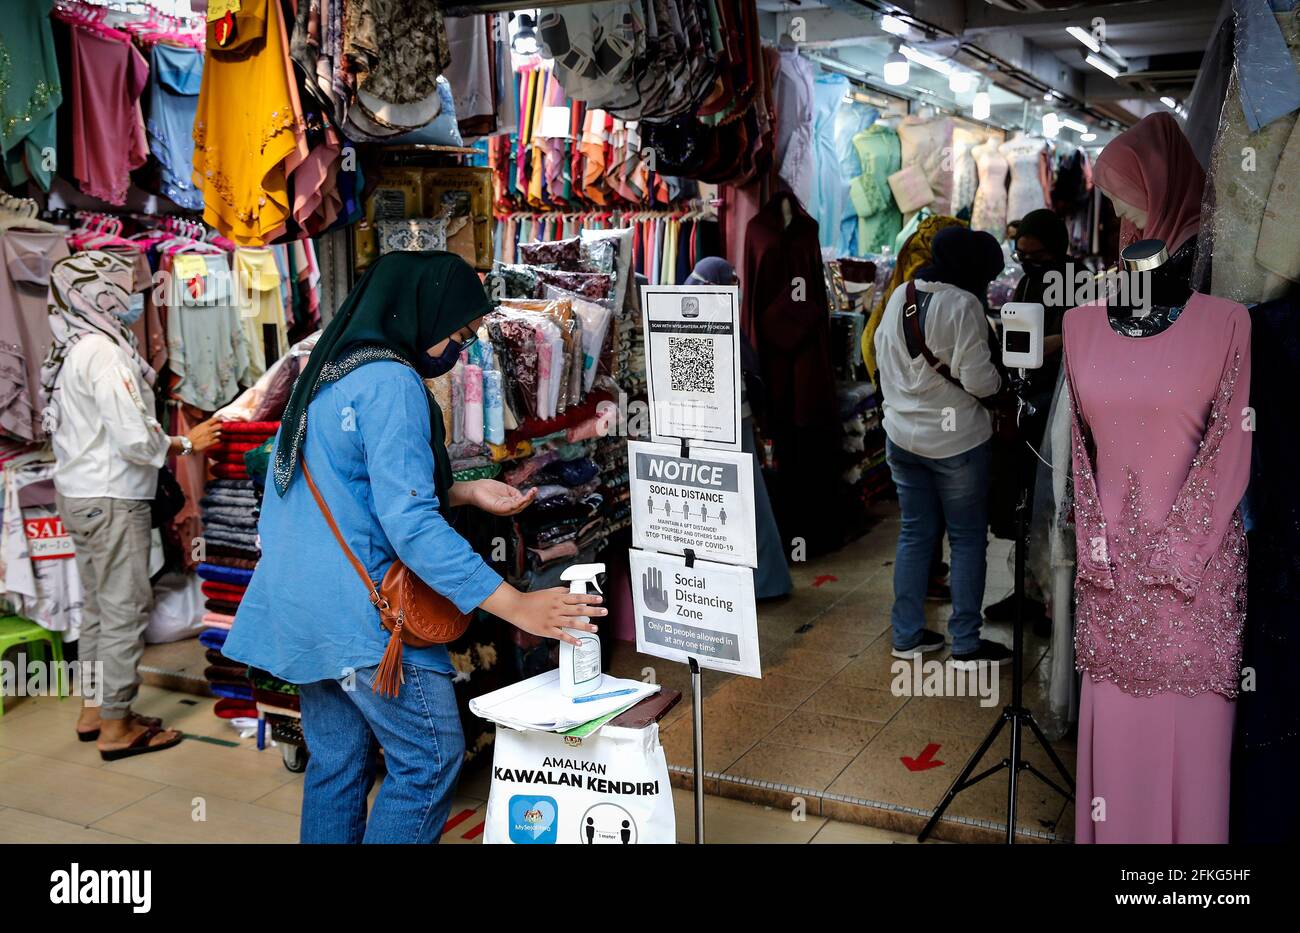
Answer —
245 128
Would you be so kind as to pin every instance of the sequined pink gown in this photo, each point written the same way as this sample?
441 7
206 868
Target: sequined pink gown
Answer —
1161 455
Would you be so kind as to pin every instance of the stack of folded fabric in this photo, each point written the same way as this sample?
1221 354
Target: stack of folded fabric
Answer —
227 679
230 507
237 439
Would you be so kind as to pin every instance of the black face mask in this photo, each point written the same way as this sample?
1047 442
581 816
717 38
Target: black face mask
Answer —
431 367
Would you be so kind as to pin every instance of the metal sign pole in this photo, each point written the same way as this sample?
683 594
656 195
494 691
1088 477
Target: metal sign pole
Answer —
698 716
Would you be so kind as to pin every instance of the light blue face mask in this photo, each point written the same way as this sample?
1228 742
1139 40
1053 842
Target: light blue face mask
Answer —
133 310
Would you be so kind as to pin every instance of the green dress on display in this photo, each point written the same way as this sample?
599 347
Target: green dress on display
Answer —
879 219
29 92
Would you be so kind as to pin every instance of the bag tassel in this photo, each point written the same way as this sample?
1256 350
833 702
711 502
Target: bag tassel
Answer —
389 676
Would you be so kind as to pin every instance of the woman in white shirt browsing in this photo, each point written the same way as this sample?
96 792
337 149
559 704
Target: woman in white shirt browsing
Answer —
936 364
108 448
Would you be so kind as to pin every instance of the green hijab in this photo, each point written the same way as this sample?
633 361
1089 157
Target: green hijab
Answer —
404 304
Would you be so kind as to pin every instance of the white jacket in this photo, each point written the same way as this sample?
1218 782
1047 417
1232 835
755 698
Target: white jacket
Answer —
924 412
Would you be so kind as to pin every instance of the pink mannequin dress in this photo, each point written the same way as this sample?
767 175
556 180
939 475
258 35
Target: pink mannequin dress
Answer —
1161 457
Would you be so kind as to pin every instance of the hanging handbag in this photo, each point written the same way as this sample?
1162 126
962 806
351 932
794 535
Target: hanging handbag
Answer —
409 609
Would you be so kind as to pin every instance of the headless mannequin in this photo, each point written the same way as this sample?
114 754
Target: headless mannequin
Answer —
1169 291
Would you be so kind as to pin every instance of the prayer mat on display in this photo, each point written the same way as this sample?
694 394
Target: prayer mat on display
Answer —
228 708
232 485
260 429
214 590
234 675
232 575
222 550
234 563
230 498
214 638
231 692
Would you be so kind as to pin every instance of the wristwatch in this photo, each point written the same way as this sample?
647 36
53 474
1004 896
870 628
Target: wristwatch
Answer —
187 446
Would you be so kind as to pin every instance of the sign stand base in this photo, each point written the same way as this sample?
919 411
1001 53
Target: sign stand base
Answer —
697 699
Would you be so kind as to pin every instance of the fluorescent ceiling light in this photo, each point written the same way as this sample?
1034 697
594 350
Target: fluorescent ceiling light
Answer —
926 60
1087 137
960 82
1084 36
1169 102
894 26
981 106
1051 125
1070 124
1102 65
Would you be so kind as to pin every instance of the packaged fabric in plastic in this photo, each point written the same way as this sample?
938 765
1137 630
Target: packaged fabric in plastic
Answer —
595 317
473 391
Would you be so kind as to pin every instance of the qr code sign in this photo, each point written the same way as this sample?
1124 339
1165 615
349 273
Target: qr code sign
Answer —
690 360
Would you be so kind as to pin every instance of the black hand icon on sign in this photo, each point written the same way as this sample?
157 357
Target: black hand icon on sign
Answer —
656 597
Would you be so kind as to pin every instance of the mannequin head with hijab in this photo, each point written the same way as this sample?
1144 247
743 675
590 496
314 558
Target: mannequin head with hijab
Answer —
1152 177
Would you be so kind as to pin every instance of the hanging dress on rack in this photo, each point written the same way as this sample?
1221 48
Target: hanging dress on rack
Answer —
989 212
927 144
879 219
1024 156
30 92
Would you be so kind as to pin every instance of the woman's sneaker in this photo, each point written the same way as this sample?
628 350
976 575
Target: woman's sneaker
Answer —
989 652
930 641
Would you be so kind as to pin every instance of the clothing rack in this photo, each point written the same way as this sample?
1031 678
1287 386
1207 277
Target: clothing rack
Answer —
658 241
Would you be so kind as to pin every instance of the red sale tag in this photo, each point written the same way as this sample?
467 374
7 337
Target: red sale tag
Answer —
47 539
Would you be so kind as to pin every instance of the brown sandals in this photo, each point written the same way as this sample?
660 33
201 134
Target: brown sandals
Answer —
93 734
140 745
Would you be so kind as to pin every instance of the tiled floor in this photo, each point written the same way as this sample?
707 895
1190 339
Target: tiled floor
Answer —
823 722
217 787
821 734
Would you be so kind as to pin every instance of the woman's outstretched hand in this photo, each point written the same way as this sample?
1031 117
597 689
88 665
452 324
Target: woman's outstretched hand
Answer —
546 612
494 496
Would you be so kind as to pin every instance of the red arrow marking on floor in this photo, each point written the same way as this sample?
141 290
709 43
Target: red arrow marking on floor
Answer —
473 833
923 762
456 820
825 578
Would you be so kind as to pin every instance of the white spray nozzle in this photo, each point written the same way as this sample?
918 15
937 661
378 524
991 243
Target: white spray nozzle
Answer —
585 573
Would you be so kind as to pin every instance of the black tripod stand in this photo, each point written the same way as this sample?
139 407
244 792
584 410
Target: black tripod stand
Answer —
1014 714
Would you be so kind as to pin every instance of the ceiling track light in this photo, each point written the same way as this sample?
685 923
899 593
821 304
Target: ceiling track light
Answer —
981 106
897 71
525 40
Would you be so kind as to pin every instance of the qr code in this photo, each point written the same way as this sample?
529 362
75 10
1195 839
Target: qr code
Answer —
690 360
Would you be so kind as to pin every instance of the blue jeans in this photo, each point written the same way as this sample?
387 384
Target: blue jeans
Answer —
932 493
419 731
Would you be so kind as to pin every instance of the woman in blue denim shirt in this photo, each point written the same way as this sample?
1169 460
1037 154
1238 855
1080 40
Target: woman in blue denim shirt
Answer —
373 435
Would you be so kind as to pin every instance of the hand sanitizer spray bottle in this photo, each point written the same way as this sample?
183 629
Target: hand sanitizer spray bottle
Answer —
580 663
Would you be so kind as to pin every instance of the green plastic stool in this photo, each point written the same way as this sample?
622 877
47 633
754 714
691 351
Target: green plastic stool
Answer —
18 631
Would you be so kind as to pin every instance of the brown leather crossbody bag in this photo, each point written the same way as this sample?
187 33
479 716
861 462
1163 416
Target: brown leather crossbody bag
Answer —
409 609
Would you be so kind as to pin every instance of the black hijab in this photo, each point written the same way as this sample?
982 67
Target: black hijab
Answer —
969 259
1050 230
404 304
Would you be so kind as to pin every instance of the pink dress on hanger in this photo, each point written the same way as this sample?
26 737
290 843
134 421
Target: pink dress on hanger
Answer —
108 135
1161 457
